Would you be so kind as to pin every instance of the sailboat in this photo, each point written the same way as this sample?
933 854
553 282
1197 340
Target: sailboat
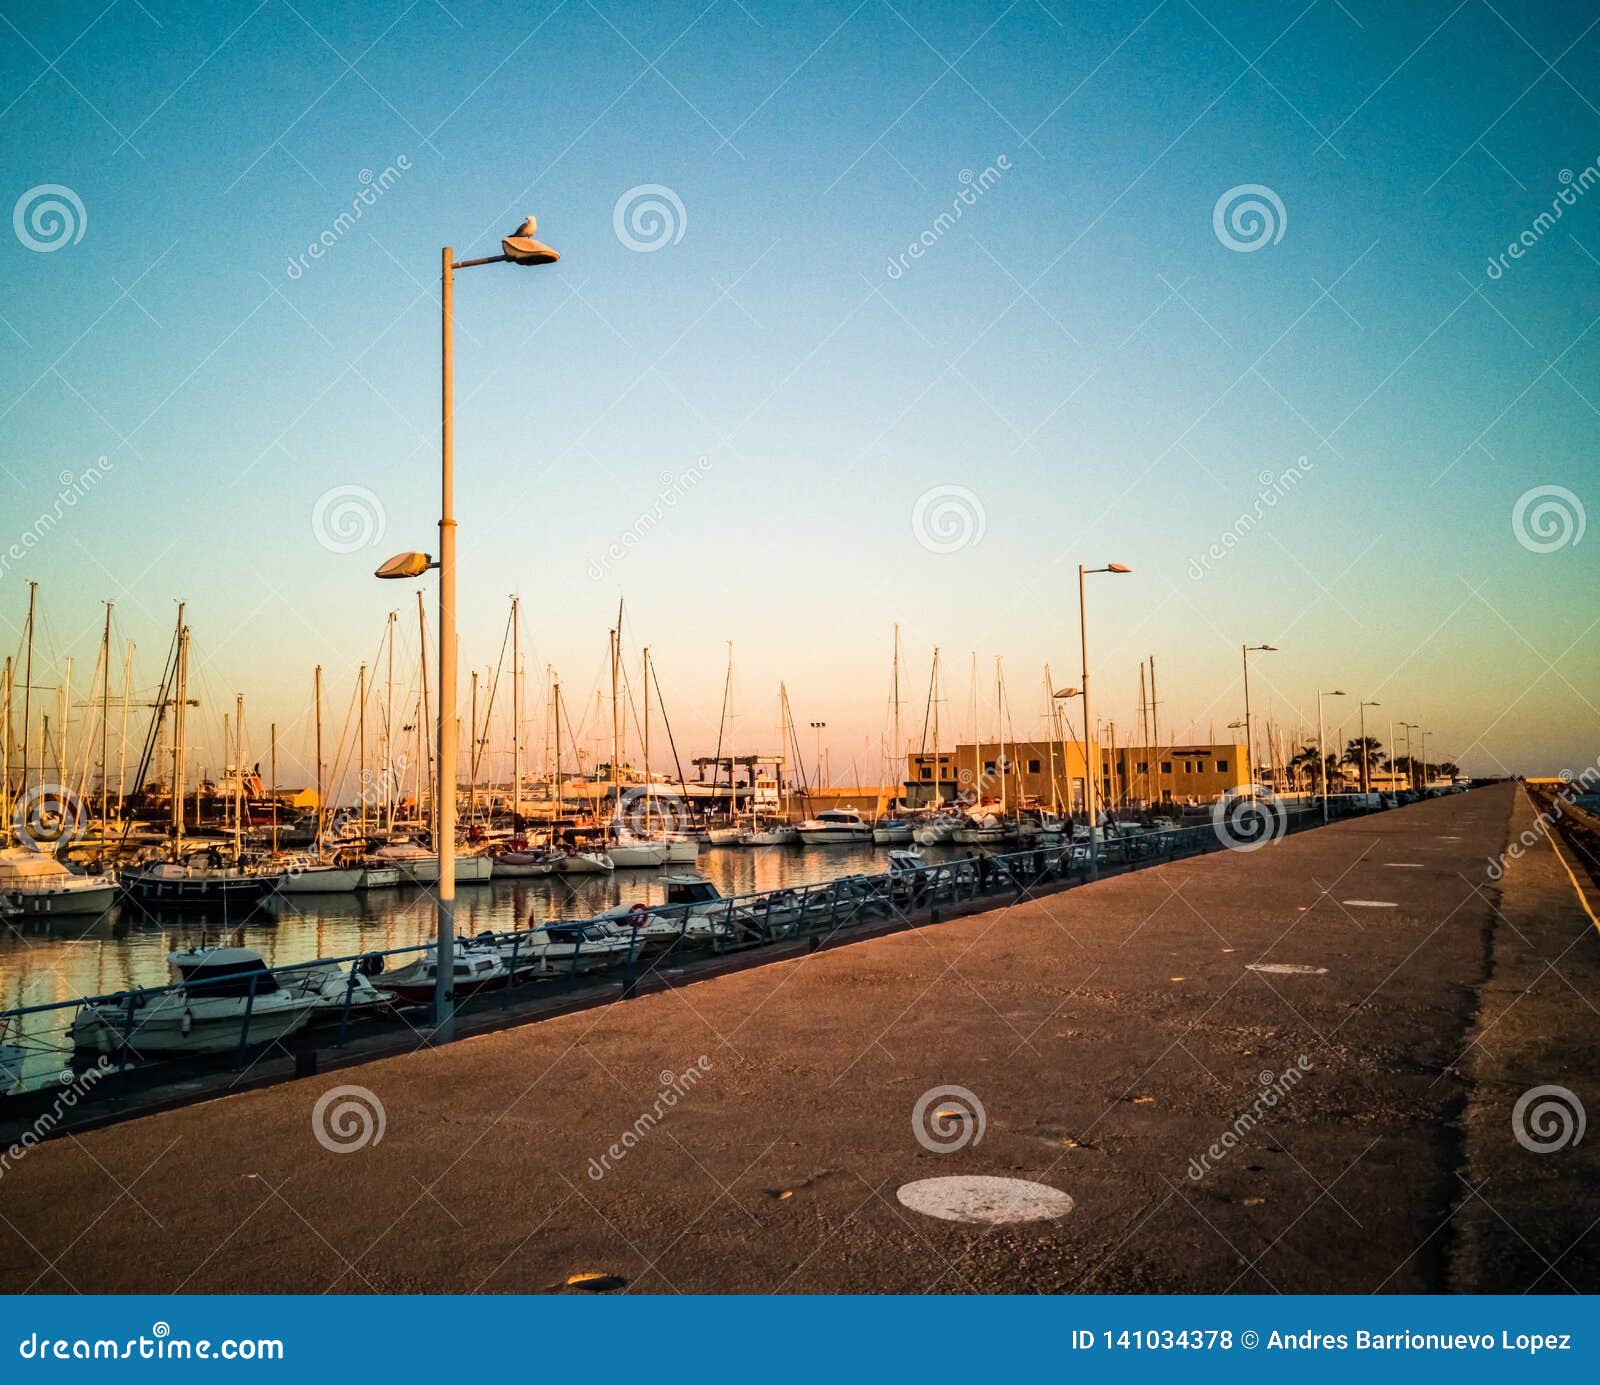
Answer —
315 875
202 880
625 850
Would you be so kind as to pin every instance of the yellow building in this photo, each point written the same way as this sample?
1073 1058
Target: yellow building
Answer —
1052 774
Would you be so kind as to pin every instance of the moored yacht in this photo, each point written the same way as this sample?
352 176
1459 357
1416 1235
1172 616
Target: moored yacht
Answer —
475 967
836 827
224 996
198 881
34 882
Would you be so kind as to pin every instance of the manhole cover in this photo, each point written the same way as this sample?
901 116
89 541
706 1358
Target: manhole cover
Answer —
985 1201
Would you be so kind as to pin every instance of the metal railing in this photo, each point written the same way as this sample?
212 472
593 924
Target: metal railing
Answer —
529 959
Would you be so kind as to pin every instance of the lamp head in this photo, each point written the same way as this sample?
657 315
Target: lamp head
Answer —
405 565
1066 692
1118 567
521 248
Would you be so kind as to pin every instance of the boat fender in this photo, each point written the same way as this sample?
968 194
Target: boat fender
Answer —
188 1022
371 964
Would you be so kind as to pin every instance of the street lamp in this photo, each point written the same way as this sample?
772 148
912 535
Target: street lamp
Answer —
1422 784
1322 755
1064 695
819 727
1093 757
1366 786
1249 744
519 248
1411 765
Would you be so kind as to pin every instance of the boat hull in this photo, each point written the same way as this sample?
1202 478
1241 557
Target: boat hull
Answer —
56 903
336 880
178 1024
229 892
637 855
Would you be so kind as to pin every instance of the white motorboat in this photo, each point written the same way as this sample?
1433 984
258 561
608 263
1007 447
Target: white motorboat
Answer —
836 827
586 863
980 829
760 836
33 882
378 877
224 995
474 870
568 948
416 865
333 985
682 850
723 836
318 877
891 832
476 966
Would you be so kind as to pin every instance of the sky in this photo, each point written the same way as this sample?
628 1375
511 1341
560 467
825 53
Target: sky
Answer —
867 314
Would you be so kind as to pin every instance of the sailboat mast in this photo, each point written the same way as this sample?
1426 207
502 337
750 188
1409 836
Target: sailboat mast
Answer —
1050 712
361 745
273 771
316 840
238 775
390 789
1000 731
516 716
122 752
472 755
105 721
27 688
433 798
648 792
5 753
1155 729
616 800
178 719
557 806
938 762
897 748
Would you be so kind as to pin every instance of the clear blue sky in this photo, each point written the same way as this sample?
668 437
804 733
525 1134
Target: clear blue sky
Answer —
1080 350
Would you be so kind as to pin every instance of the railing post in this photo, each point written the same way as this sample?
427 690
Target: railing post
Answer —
349 998
244 1029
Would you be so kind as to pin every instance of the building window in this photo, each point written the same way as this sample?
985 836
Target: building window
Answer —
1188 766
927 773
1144 767
988 766
1166 766
1200 765
1222 766
1033 766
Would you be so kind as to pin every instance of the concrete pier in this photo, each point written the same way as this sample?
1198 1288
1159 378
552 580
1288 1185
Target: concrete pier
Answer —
1119 1040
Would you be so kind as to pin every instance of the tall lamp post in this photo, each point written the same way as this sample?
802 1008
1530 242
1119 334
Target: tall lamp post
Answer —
519 249
1411 765
1366 784
1246 651
1322 754
1422 784
819 727
1092 755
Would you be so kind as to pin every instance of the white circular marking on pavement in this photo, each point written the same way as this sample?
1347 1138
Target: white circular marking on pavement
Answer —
984 1200
1369 903
1287 968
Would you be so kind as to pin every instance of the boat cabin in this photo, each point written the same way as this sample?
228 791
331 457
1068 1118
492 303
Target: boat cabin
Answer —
690 889
223 971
